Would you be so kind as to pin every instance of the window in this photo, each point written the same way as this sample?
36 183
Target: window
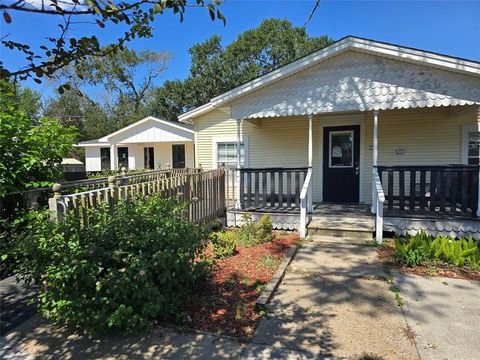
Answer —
122 157
104 158
341 148
227 154
473 152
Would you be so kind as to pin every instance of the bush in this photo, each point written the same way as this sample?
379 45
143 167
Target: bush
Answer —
120 272
421 248
251 234
223 244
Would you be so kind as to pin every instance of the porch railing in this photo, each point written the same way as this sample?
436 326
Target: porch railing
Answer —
426 190
377 205
305 203
275 189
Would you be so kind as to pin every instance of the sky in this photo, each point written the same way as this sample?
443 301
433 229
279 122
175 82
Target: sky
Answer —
447 27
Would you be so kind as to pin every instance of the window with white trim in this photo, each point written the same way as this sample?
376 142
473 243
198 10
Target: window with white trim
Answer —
227 154
473 150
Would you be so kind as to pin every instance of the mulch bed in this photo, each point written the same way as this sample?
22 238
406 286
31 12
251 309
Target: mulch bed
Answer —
386 255
226 305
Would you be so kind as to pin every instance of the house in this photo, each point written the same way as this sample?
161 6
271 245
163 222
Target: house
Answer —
358 122
150 143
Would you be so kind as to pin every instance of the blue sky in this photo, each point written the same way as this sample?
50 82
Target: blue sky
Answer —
449 27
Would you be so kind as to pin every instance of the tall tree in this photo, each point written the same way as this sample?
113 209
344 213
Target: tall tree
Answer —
216 69
28 101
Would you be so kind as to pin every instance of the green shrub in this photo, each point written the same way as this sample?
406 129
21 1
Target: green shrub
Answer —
251 234
223 244
120 272
264 229
421 248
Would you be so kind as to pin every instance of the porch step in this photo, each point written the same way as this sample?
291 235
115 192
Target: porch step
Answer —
359 228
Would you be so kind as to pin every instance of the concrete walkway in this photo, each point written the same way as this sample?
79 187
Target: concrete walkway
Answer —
14 304
444 314
335 302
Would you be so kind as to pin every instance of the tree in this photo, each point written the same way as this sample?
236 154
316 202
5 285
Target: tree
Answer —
135 16
30 154
216 69
78 110
28 101
121 85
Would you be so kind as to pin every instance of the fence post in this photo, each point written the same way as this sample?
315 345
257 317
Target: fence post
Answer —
112 193
56 210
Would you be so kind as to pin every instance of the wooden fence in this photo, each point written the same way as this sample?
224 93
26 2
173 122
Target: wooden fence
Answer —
205 192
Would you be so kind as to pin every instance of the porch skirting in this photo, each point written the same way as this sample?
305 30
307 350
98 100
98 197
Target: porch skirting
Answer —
461 228
280 221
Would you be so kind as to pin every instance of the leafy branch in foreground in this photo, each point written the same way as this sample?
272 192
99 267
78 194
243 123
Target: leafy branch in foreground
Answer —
64 49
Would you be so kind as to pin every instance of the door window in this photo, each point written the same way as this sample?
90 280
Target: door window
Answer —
148 158
122 157
104 158
341 149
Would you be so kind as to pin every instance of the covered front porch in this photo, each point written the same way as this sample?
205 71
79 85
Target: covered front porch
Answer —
363 163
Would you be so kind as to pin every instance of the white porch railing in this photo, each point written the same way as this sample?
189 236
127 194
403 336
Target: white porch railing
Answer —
377 205
306 204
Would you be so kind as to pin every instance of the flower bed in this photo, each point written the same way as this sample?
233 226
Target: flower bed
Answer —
388 256
226 304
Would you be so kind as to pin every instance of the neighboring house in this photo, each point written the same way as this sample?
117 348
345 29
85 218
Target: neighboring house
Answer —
335 121
150 143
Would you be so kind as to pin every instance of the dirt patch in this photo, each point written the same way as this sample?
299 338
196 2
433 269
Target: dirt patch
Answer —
226 305
386 256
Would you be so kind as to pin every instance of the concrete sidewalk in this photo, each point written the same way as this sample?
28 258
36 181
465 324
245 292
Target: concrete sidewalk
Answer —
445 315
335 302
14 304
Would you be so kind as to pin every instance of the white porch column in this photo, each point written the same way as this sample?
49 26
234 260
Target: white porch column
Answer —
310 162
375 158
478 197
113 156
239 164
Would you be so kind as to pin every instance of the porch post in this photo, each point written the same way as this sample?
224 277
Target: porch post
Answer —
310 162
237 177
113 157
375 158
478 197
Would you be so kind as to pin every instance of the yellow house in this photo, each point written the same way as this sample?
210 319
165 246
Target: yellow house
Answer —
358 122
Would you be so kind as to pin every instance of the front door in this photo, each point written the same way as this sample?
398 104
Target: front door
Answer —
341 157
178 156
148 158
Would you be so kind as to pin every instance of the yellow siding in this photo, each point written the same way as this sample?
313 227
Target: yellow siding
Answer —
428 136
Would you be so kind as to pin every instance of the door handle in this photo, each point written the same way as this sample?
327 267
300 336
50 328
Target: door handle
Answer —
357 170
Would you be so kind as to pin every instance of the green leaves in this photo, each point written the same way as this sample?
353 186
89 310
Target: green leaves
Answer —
121 272
29 153
418 249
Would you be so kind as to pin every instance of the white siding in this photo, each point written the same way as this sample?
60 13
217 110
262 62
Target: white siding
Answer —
153 131
92 159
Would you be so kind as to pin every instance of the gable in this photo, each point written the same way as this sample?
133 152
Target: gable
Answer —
152 131
355 81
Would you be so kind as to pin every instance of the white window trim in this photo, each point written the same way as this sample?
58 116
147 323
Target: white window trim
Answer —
330 148
230 139
465 130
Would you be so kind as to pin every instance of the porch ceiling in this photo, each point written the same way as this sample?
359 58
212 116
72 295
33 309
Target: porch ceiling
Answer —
354 81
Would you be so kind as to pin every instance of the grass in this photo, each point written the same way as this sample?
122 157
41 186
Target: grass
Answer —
398 298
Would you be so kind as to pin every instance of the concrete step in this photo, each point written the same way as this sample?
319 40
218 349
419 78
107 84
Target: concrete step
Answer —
361 228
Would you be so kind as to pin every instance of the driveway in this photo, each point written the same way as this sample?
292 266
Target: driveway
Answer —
444 314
